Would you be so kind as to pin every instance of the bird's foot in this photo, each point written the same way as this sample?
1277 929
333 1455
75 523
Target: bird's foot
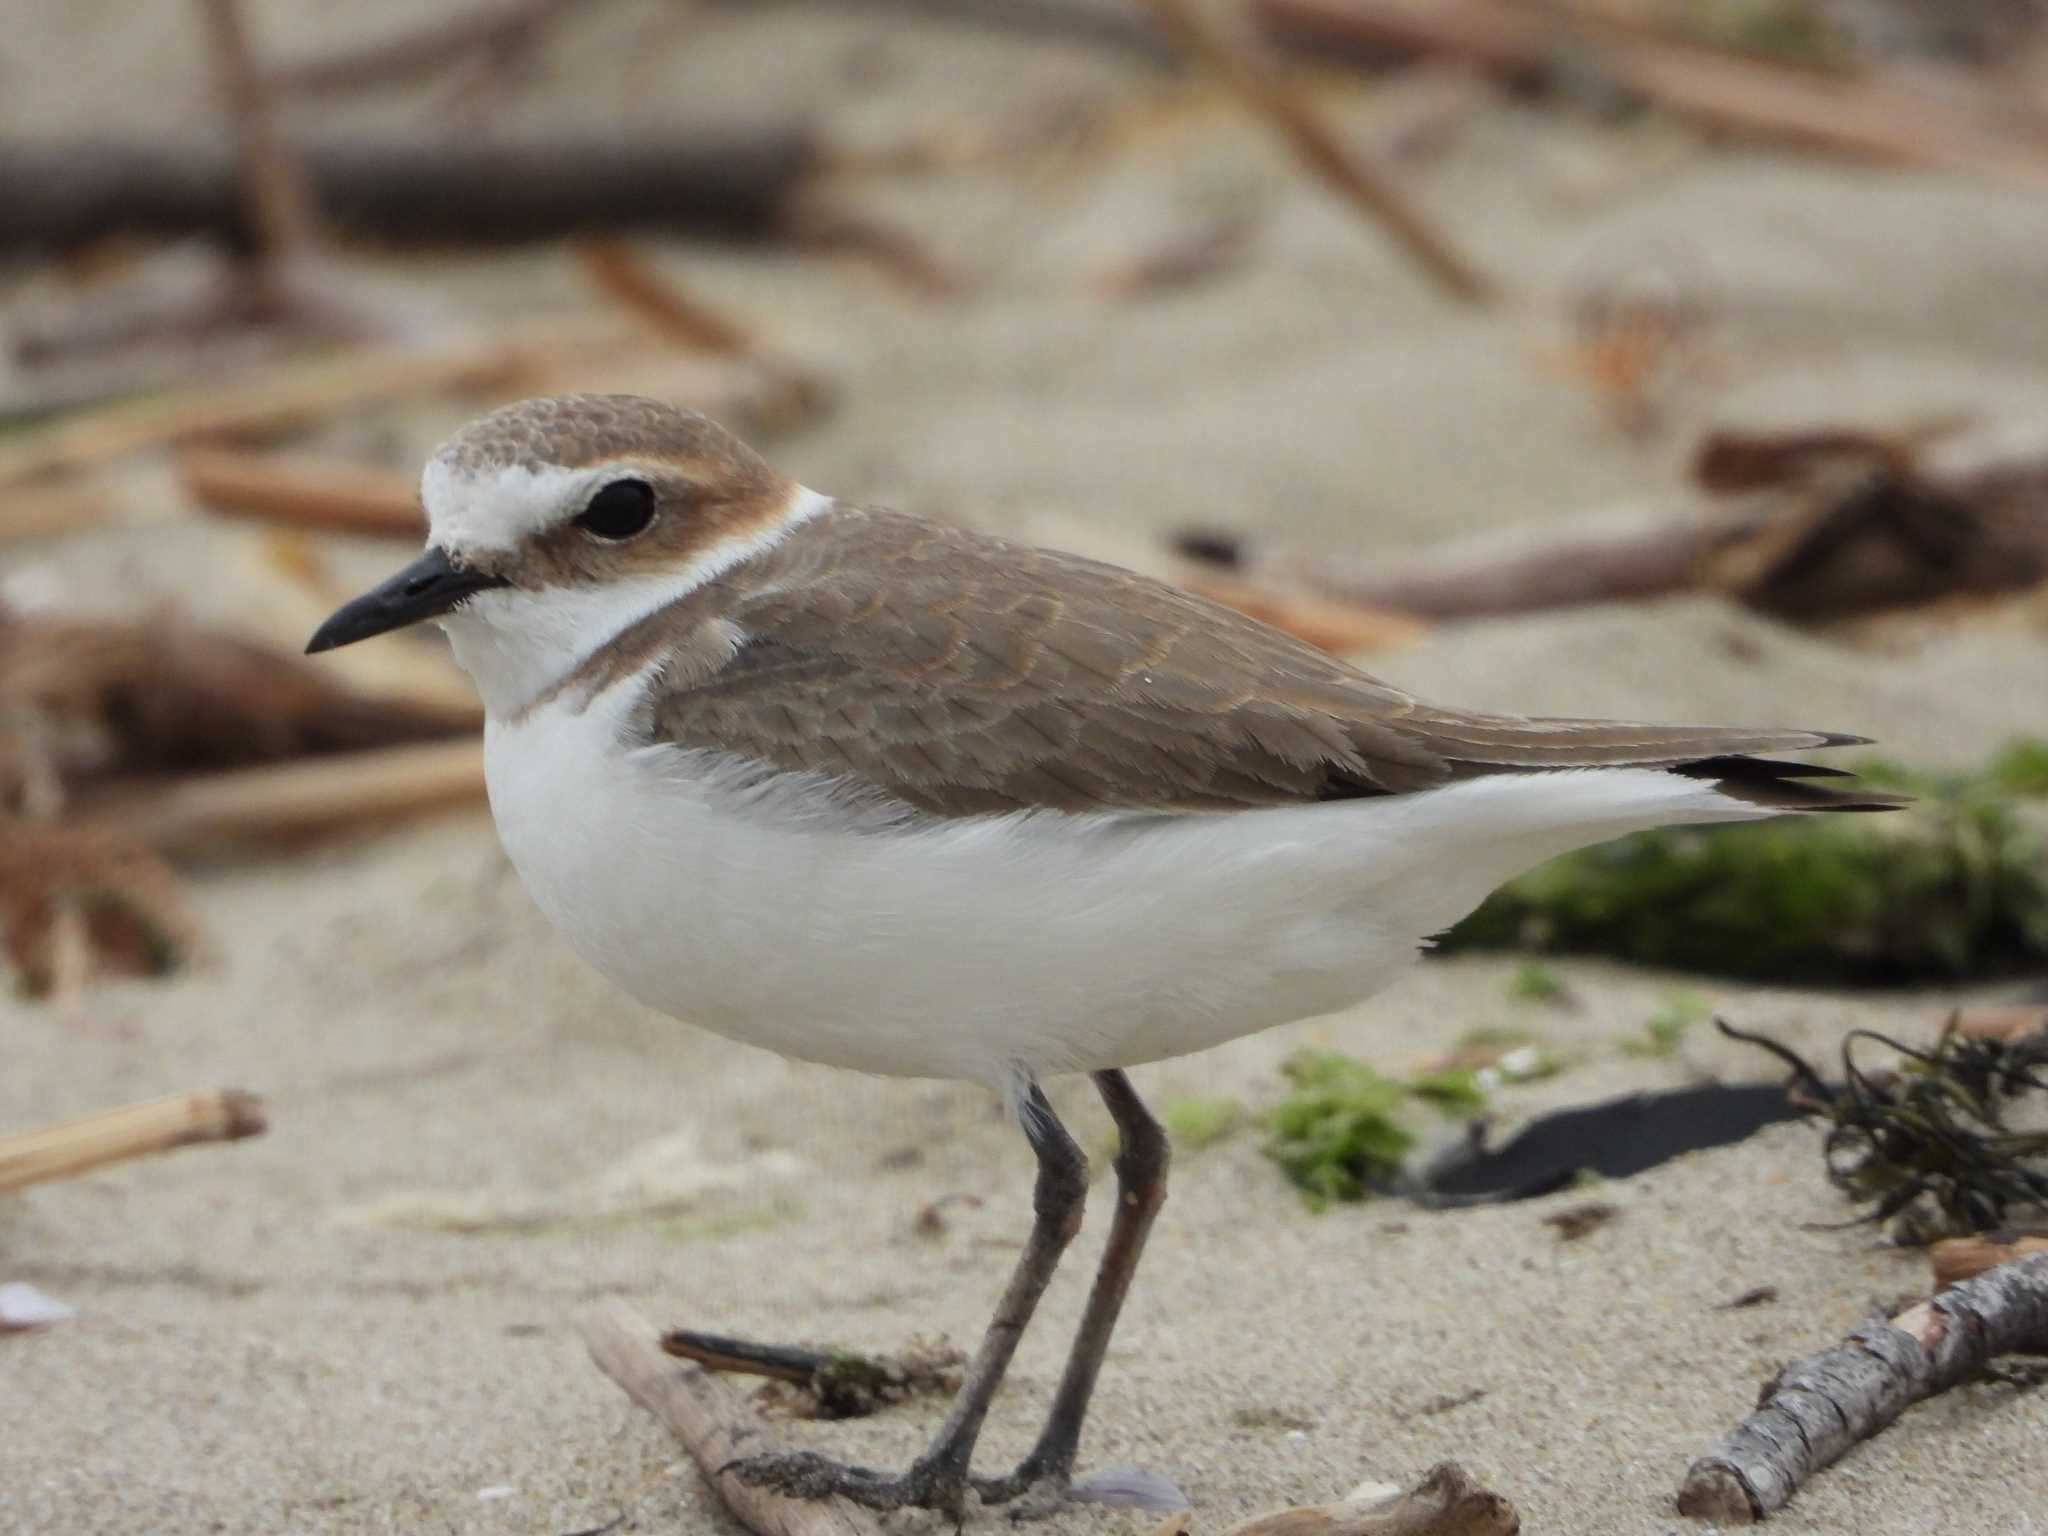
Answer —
1039 1488
807 1475
1032 1492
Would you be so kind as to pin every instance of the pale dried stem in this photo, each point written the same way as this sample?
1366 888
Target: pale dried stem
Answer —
60 509
295 799
1239 62
1868 116
78 1146
331 497
675 314
297 393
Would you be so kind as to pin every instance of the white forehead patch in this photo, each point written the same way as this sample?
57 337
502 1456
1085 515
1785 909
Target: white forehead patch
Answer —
498 508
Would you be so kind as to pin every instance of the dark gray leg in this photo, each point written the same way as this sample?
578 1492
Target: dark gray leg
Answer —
1142 1155
938 1478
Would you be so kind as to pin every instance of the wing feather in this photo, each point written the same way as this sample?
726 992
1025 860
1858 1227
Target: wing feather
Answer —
964 674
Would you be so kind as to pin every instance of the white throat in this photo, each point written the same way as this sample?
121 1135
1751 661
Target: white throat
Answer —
517 643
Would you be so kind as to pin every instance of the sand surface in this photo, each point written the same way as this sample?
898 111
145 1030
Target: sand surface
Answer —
284 1336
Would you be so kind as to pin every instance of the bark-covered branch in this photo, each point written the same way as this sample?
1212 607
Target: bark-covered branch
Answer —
1816 1410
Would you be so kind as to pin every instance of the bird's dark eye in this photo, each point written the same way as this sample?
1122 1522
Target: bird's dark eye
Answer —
620 510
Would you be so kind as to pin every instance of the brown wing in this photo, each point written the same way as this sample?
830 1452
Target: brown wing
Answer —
964 674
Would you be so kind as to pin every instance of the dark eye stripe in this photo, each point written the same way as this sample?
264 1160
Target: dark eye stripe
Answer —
619 511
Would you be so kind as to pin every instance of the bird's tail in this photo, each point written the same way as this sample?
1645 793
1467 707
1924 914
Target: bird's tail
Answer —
1447 849
1778 786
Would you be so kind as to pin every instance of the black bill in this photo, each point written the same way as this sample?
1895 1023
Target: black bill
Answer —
431 585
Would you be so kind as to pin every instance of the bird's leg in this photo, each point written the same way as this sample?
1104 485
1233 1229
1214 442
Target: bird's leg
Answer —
938 1478
1142 1155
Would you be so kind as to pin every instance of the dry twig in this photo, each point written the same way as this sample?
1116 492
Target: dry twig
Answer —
125 697
1815 1411
1838 523
1487 576
827 1383
712 1425
1238 61
57 509
1957 1259
1871 117
289 800
294 394
738 183
289 395
330 496
136 1130
674 314
281 209
789 391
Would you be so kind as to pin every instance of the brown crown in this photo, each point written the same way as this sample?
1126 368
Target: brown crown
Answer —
573 431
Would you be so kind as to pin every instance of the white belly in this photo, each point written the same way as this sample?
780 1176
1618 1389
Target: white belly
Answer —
950 949
988 947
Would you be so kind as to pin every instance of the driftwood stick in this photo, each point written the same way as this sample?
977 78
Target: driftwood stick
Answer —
274 192
789 392
1868 117
295 393
160 695
725 182
275 399
57 509
1816 1410
135 1130
1239 63
330 496
712 1424
1492 576
1847 529
670 311
295 799
1957 1259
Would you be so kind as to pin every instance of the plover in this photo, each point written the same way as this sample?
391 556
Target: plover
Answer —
884 793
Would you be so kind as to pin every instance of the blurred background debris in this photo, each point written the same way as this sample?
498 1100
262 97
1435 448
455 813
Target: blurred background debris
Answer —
1647 358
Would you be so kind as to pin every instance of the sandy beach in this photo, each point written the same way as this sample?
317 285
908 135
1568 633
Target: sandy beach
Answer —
363 1321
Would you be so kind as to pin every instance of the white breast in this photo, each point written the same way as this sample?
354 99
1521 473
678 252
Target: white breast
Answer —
971 949
784 915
